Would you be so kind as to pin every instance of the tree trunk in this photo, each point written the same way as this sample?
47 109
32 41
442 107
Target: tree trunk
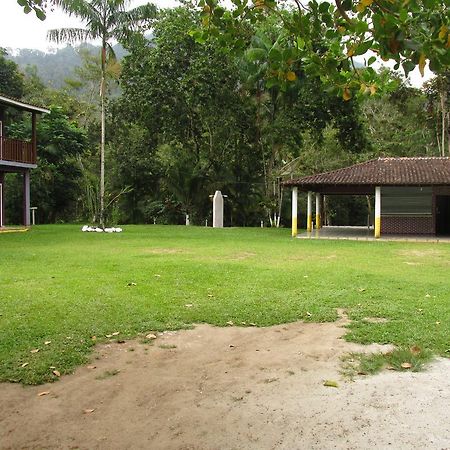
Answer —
442 98
448 133
102 142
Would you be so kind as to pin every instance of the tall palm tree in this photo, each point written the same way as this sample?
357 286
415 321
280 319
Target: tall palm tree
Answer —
105 20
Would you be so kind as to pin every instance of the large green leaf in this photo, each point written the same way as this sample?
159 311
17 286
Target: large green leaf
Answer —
256 54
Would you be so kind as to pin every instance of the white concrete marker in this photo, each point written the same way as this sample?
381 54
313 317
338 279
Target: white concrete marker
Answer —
218 210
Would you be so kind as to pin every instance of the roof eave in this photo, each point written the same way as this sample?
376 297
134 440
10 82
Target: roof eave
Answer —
22 105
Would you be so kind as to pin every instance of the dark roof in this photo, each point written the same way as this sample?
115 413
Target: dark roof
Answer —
382 172
10 101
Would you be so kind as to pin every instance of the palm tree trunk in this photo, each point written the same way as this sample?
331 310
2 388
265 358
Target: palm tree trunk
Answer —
102 143
442 98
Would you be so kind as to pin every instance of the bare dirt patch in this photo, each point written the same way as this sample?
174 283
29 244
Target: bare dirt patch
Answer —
164 251
375 320
235 256
230 388
303 257
241 256
428 253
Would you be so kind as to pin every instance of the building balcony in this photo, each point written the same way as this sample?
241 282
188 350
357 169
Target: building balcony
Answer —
16 151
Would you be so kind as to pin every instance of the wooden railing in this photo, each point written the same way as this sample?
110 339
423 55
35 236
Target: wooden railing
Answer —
17 151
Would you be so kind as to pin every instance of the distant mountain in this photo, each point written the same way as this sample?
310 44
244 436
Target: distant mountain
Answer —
53 68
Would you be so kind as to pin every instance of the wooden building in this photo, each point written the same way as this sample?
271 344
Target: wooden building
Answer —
412 195
18 156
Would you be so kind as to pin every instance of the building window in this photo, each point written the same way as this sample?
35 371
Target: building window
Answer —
406 201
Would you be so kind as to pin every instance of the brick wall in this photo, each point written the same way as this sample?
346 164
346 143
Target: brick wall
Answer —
407 225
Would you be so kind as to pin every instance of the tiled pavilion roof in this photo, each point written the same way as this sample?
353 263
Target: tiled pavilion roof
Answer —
416 171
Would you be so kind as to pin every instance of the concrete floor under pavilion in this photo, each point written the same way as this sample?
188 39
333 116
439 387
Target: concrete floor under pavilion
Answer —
364 233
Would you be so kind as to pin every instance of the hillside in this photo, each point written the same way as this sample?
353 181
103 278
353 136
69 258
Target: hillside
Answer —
53 68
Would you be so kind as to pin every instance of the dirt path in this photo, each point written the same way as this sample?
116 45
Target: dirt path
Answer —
230 388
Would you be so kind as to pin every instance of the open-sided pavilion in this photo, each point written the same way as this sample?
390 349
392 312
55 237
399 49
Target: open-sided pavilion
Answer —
412 195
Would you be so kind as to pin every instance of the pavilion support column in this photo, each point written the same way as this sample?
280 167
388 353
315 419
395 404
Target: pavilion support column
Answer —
2 205
294 211
377 212
309 213
318 211
26 198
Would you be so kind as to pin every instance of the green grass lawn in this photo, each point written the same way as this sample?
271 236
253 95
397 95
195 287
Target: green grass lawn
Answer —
61 285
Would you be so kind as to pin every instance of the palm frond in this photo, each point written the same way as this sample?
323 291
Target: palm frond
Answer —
110 51
70 35
83 9
148 11
117 5
128 22
120 3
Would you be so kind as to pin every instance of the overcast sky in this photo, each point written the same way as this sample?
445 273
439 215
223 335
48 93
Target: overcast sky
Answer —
19 30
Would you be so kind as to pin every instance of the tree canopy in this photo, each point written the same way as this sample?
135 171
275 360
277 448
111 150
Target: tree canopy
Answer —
11 80
38 6
326 37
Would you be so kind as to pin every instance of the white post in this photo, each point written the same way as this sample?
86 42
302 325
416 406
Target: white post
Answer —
26 198
318 211
218 210
377 211
1 139
309 213
33 215
187 220
1 204
294 211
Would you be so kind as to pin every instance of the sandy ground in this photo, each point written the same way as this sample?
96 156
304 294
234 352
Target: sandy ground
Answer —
230 388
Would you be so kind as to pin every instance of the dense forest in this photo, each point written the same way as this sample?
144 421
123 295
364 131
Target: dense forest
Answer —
184 118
